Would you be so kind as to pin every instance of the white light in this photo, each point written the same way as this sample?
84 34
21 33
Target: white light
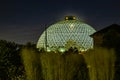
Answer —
48 49
71 27
62 50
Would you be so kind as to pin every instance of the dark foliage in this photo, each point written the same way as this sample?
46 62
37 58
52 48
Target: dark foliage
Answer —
10 61
111 39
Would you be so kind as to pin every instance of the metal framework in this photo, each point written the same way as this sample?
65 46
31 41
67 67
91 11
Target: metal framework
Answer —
66 34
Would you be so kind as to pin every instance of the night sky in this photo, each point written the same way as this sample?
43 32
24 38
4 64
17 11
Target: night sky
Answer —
23 21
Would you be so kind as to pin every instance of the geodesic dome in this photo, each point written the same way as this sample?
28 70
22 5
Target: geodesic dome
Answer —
65 34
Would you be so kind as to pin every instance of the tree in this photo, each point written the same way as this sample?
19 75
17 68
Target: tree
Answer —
10 61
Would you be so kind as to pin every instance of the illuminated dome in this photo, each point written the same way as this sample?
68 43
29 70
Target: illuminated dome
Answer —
66 34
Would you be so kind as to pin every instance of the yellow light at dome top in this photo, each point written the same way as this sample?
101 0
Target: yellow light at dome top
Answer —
66 18
74 18
70 18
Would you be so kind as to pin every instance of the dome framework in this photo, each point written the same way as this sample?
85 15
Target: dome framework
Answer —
66 34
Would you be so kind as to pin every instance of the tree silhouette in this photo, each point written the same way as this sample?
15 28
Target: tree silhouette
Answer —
9 60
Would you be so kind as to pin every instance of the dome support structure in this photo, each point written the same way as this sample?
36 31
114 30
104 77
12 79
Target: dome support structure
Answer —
57 35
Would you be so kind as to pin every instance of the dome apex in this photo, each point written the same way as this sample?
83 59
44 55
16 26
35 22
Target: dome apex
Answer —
70 18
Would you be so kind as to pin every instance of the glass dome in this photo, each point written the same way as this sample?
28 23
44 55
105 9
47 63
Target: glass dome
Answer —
66 34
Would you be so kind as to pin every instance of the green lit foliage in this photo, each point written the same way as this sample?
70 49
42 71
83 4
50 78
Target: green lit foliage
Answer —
70 43
31 63
59 67
101 64
53 66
